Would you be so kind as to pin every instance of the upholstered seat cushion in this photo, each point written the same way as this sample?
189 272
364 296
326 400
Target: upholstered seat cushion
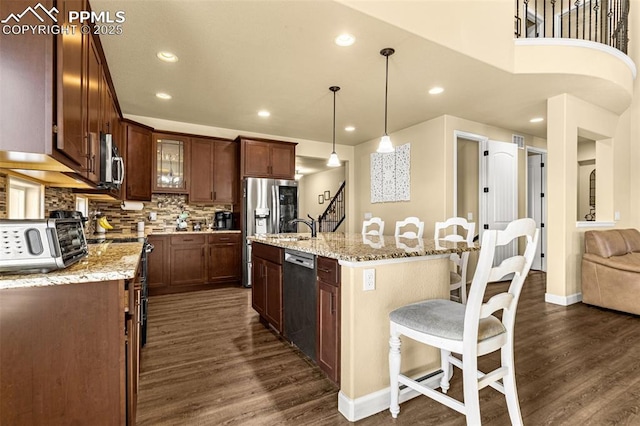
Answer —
443 318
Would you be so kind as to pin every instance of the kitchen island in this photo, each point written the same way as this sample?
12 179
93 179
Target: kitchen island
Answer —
405 271
69 340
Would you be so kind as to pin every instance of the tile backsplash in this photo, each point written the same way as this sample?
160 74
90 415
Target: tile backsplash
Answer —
166 206
3 196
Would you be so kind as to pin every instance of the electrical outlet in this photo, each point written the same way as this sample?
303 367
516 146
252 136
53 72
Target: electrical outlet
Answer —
616 216
369 279
368 216
470 216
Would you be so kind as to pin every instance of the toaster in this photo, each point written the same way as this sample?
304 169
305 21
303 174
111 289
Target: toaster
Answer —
40 245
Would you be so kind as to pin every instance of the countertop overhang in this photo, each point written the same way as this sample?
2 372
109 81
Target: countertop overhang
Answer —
105 262
351 248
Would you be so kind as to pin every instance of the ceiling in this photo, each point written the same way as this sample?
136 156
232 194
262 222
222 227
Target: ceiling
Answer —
238 57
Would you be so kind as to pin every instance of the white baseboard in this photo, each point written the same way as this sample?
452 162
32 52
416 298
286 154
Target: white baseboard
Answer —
563 300
370 404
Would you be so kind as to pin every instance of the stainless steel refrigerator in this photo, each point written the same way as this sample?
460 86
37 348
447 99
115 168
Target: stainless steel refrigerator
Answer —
268 205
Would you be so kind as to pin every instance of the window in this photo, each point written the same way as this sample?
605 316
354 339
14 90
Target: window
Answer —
26 199
82 205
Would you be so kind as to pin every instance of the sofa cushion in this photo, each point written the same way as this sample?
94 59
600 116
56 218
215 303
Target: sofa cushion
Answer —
605 243
629 262
632 238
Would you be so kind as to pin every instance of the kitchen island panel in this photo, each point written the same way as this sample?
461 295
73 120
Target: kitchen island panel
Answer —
365 322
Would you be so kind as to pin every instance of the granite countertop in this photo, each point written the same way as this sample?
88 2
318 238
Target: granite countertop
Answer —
105 262
359 248
207 231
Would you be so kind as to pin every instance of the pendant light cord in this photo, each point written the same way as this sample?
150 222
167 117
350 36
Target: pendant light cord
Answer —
334 121
386 90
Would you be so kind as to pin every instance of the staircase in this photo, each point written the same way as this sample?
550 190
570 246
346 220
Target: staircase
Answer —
334 214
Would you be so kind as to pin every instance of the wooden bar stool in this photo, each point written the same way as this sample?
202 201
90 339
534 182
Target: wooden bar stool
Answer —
457 279
470 330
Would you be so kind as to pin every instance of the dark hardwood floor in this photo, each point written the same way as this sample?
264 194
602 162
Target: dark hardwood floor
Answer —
208 361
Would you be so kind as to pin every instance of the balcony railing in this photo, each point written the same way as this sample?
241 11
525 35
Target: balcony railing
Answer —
602 21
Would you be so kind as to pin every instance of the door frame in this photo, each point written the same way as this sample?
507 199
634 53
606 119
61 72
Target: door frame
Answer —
543 184
479 139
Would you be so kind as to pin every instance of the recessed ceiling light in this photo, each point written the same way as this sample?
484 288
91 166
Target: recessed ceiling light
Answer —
349 128
536 120
167 57
264 113
345 40
163 95
436 90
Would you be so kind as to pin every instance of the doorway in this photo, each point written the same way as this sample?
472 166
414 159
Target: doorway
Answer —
486 184
536 201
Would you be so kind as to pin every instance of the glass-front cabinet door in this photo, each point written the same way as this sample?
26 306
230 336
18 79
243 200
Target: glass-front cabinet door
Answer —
171 163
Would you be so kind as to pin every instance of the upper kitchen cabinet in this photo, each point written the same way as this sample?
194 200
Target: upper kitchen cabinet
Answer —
137 178
214 176
71 91
26 86
93 110
170 163
267 158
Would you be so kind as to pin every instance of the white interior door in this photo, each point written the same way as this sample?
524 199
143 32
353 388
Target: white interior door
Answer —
536 207
499 190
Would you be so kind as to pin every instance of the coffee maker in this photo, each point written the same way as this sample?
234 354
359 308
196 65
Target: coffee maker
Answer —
224 220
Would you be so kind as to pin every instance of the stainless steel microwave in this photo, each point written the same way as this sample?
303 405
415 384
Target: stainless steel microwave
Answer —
111 163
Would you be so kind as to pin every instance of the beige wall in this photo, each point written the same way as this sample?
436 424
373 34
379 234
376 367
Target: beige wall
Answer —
427 170
432 171
568 118
310 186
468 179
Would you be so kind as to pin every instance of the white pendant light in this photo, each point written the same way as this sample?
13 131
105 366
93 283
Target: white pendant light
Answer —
334 161
385 145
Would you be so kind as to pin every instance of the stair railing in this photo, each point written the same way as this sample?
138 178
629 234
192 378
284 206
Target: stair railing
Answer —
334 214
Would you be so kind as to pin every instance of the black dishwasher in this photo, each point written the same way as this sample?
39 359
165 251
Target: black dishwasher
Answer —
300 294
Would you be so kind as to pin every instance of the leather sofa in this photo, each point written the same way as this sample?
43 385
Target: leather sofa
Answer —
611 269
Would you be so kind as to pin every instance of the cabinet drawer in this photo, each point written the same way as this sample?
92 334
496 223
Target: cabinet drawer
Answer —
328 270
187 239
225 238
267 252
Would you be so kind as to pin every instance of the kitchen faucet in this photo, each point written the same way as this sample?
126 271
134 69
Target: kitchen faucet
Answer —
310 223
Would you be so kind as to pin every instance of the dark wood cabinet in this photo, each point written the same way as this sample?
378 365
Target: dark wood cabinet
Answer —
267 158
158 266
138 162
132 348
71 78
93 109
225 257
195 261
63 354
266 292
188 260
171 158
328 336
214 175
26 84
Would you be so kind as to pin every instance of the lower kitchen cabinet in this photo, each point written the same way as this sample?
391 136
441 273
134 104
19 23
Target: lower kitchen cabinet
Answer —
188 262
328 337
191 262
158 266
65 354
225 257
266 292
